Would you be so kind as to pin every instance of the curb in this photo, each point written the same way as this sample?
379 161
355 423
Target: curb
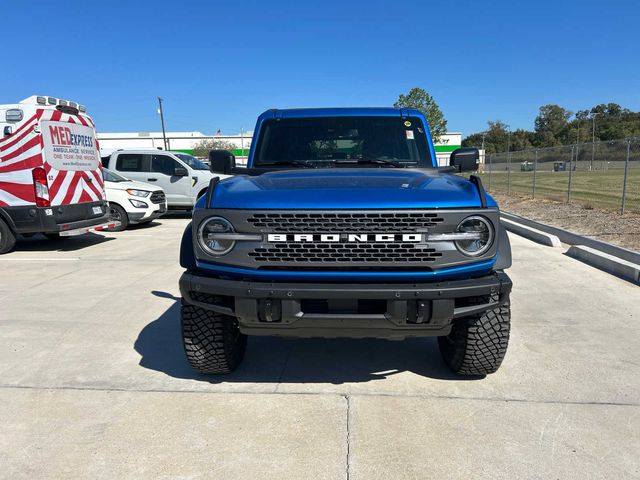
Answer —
571 238
531 233
604 261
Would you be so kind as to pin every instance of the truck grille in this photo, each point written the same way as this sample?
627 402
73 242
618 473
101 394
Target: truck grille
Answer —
157 197
379 222
354 245
345 253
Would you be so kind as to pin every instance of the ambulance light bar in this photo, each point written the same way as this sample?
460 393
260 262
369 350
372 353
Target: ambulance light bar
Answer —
53 101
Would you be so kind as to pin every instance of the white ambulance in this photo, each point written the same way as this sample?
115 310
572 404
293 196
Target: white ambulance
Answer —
50 171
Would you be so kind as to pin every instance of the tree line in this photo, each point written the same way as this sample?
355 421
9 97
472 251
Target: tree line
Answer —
556 125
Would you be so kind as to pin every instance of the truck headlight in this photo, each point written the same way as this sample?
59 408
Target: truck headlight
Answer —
480 236
212 233
138 193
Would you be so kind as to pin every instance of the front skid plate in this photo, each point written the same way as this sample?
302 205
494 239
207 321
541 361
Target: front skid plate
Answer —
437 304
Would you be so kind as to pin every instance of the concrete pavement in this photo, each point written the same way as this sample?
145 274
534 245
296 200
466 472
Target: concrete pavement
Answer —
94 384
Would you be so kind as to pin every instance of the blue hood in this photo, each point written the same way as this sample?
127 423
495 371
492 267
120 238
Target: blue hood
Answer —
366 188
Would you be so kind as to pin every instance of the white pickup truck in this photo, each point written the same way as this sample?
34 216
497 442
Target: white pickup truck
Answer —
183 177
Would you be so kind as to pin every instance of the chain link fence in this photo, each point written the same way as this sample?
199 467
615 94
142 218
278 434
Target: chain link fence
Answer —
596 175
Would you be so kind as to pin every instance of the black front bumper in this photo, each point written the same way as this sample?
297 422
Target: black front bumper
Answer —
32 219
346 310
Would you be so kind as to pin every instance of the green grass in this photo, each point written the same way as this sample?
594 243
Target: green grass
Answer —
596 189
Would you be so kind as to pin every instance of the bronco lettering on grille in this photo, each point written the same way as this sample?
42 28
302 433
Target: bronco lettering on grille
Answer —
346 237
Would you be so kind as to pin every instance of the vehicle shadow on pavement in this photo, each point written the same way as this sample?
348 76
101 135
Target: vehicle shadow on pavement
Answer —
39 243
176 214
143 226
278 360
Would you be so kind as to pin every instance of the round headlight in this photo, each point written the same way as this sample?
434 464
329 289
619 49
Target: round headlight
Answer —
210 241
481 236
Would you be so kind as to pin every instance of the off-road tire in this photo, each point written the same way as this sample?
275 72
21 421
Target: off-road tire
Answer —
7 237
477 344
212 342
117 213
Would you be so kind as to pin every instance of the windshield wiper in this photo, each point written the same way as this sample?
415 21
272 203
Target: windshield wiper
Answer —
374 161
297 163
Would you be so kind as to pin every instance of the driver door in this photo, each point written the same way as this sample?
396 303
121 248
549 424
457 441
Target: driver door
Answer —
166 174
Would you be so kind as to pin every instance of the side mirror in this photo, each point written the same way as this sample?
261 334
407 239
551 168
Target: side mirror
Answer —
221 161
7 131
180 172
465 159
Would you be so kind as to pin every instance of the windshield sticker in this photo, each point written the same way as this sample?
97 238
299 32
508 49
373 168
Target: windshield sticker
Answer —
407 123
409 134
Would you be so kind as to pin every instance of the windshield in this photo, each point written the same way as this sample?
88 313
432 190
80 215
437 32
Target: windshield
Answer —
110 176
332 141
192 161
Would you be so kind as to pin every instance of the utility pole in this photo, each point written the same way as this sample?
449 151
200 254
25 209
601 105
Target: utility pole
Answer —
593 138
164 135
484 156
578 143
508 160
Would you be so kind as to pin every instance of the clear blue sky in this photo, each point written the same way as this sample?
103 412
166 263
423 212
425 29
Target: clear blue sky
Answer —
218 64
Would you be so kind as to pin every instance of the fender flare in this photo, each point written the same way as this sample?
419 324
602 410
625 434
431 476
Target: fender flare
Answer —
503 260
187 257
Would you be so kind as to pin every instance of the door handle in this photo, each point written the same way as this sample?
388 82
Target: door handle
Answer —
152 179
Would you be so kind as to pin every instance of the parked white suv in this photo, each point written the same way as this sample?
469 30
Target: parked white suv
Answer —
183 177
132 202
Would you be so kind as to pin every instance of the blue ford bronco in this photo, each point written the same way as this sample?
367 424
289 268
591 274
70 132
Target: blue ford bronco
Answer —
343 225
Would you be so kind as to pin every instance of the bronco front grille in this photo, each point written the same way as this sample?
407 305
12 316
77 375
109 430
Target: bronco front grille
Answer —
345 240
345 253
344 222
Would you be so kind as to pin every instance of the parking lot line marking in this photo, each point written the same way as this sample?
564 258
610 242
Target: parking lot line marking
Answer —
125 235
69 259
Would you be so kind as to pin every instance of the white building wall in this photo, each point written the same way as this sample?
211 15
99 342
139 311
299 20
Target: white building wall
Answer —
176 140
187 140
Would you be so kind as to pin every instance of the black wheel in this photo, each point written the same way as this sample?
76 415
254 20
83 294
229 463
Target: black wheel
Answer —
118 214
213 342
7 237
477 344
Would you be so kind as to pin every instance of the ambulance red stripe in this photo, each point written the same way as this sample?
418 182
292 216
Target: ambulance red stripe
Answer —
71 191
82 120
55 186
22 127
17 139
19 190
19 151
88 181
31 162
